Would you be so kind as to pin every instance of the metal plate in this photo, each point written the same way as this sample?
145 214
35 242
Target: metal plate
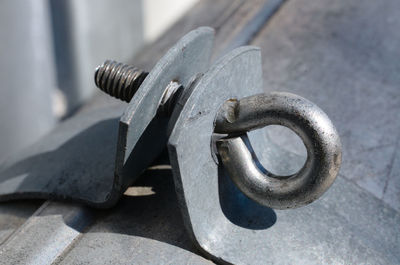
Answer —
229 227
143 133
77 160
208 205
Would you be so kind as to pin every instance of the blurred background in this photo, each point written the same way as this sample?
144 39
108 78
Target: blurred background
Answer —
50 48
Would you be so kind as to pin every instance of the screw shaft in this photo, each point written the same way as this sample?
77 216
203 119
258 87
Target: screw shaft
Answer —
119 80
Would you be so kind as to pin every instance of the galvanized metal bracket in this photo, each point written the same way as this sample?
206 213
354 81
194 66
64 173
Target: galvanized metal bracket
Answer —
76 161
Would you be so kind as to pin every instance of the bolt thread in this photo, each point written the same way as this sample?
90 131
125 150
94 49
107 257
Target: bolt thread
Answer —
119 80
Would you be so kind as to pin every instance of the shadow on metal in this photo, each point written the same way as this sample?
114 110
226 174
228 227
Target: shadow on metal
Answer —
154 216
48 174
81 169
239 209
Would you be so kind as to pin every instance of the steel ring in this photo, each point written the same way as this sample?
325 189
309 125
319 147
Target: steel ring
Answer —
307 120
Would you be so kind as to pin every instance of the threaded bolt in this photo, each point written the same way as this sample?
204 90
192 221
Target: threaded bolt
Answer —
119 80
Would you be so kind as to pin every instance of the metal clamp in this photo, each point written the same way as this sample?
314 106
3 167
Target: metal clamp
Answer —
178 104
237 117
303 117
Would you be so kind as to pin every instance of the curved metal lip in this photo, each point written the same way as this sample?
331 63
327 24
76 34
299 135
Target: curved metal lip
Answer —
79 179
